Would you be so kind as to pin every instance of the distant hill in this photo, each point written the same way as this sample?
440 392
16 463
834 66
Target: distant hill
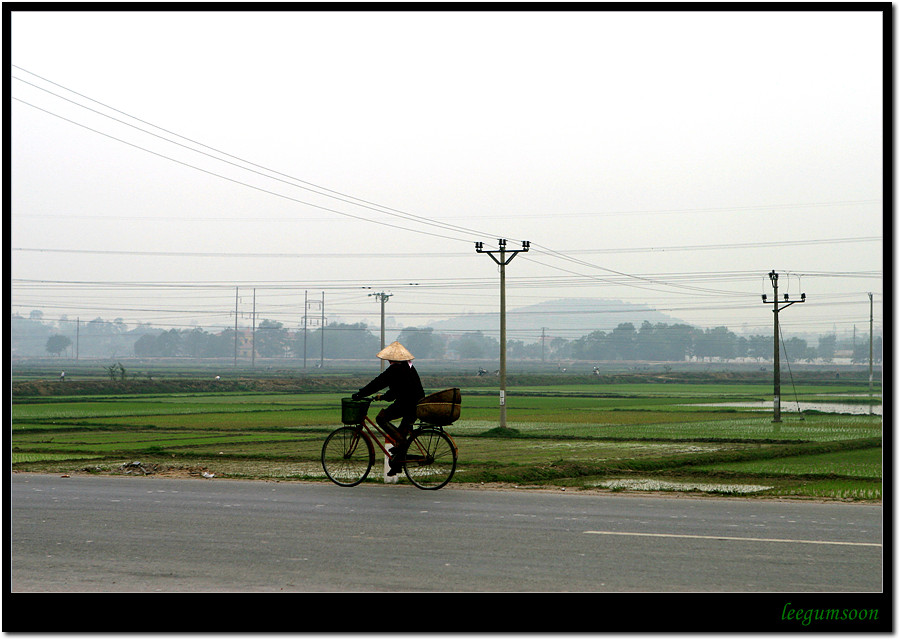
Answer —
566 318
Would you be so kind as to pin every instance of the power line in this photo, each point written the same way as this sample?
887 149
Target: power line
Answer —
627 212
293 181
742 245
419 256
366 202
750 208
421 284
629 279
650 285
235 181
392 211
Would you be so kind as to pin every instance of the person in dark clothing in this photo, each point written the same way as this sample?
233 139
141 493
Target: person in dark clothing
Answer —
404 390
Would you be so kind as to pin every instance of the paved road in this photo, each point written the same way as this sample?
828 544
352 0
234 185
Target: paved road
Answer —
113 534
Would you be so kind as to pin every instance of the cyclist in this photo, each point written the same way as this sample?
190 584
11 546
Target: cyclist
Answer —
404 389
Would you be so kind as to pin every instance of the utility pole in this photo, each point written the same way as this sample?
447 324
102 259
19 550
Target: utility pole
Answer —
382 297
253 333
311 322
305 307
543 343
502 261
235 326
871 333
322 333
78 335
775 309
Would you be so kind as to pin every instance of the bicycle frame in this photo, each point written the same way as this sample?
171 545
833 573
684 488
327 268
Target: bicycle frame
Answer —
368 425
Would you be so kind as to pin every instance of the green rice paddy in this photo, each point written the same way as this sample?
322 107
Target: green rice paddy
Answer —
617 437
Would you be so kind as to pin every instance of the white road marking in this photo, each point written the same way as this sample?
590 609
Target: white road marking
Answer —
678 535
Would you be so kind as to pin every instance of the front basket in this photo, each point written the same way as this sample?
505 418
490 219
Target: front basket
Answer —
354 411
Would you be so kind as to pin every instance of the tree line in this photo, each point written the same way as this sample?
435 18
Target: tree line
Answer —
271 339
678 342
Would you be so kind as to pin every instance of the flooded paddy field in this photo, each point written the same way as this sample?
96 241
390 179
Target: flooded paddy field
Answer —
709 438
788 406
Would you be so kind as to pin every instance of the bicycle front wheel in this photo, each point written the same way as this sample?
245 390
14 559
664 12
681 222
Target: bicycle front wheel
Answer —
347 456
430 459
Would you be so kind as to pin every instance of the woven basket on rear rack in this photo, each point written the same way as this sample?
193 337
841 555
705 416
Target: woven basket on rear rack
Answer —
441 408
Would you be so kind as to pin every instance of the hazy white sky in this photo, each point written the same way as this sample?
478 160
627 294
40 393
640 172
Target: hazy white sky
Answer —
670 159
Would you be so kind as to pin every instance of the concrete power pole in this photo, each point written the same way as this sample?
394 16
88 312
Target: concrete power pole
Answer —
871 333
322 333
235 325
253 333
775 309
305 311
382 297
502 261
311 322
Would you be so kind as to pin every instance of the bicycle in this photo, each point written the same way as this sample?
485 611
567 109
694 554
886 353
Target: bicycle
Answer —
348 453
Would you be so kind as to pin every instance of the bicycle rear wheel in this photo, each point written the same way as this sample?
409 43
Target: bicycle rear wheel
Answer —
430 459
347 456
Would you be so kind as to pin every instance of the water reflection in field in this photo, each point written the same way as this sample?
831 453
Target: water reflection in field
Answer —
786 405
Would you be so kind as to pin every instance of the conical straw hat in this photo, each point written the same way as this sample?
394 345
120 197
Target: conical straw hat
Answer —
395 351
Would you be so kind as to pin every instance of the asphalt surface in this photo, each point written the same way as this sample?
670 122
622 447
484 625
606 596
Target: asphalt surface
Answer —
146 534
